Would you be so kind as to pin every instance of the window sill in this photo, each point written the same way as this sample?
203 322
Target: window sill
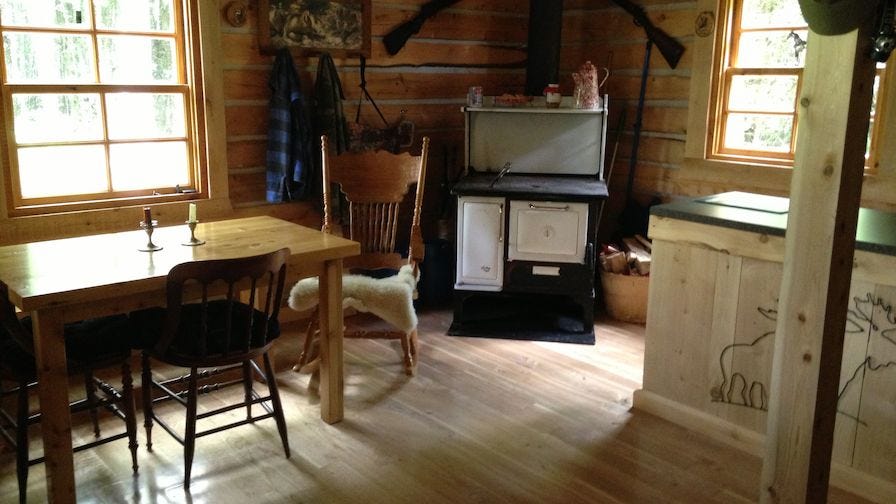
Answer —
28 228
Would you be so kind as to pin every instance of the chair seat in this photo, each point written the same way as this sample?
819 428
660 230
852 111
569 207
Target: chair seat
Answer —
390 298
148 324
89 344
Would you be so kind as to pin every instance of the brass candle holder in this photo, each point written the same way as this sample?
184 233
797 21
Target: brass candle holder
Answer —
193 240
148 226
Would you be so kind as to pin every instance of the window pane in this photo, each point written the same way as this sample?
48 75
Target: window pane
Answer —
149 165
59 171
48 58
145 115
130 59
762 93
135 15
771 49
758 132
771 13
45 13
56 117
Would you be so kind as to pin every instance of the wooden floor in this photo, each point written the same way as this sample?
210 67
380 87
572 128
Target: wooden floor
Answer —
485 420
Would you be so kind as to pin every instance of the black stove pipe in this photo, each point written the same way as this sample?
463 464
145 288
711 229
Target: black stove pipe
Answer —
543 49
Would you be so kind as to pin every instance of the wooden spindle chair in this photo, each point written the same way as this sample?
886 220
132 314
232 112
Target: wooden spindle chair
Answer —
90 345
215 334
374 184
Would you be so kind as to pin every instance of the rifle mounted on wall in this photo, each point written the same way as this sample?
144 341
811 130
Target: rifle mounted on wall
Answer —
395 39
670 48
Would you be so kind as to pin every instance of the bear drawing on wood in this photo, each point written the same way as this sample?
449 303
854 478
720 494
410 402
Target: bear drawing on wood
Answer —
739 386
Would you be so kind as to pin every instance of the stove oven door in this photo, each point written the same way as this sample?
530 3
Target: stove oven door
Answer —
480 243
547 231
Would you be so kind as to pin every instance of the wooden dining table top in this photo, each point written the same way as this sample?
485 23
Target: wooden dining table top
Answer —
70 279
83 269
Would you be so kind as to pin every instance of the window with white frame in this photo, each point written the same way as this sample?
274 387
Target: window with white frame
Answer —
756 83
98 102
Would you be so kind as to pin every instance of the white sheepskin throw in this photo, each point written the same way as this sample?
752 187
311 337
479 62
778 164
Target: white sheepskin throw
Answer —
390 298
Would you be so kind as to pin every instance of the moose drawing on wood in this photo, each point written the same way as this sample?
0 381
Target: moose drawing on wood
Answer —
870 318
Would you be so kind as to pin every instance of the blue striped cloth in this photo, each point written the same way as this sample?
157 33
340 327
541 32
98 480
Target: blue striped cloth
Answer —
289 135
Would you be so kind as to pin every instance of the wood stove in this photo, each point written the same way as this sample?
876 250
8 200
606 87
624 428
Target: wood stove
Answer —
527 214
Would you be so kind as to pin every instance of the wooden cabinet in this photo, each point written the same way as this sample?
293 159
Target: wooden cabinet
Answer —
710 335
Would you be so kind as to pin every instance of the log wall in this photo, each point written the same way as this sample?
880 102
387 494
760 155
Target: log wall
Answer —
482 42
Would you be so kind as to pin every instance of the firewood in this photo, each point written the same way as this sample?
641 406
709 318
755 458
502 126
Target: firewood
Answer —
640 258
616 263
644 243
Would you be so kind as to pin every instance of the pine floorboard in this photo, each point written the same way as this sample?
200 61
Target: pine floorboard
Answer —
484 421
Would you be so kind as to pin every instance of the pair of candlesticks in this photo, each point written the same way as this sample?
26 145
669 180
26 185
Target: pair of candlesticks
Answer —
149 224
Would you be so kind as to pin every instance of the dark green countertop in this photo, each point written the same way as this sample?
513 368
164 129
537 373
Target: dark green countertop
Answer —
759 213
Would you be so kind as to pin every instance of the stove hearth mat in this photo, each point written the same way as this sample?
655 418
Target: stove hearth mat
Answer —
528 317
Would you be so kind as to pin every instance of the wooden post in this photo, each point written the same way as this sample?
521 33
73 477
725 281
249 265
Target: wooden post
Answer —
825 192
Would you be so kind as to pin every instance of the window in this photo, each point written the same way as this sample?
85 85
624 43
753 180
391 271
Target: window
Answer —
760 62
99 102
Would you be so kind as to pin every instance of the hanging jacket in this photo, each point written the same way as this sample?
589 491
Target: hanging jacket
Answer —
290 147
329 118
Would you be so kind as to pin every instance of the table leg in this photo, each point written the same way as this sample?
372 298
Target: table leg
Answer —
331 372
56 422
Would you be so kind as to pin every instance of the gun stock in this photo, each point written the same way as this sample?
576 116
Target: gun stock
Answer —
670 48
397 38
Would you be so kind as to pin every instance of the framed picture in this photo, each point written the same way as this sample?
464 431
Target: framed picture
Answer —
307 27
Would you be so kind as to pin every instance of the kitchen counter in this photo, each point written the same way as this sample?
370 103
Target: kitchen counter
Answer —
715 278
758 213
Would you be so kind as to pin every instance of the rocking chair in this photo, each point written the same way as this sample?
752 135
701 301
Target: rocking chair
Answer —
374 184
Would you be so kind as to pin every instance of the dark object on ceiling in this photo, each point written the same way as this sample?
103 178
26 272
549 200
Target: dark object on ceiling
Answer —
836 17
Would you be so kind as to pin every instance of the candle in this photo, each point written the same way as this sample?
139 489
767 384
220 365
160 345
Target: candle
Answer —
192 214
147 215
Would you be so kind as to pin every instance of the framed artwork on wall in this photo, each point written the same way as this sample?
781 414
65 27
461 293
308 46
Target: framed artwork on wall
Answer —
308 27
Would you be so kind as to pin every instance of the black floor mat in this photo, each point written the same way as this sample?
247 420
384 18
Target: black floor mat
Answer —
524 317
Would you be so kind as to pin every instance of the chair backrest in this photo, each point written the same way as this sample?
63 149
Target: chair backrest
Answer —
375 184
218 328
11 327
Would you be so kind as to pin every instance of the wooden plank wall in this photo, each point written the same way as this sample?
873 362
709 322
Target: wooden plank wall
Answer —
482 42
600 31
479 42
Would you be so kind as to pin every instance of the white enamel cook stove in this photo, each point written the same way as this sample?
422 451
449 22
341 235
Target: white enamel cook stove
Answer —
526 240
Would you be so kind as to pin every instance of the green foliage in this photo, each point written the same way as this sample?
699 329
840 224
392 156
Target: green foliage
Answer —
770 6
109 13
161 60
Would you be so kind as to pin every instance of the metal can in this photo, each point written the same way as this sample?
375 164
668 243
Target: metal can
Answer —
474 96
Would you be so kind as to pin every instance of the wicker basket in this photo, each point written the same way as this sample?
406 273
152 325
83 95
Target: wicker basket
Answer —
625 296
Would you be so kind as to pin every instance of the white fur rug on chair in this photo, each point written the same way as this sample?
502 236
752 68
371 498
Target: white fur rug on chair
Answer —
390 298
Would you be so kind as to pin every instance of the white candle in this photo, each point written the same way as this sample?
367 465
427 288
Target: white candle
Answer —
192 217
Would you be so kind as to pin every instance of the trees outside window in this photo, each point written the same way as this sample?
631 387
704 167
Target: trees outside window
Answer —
98 102
759 67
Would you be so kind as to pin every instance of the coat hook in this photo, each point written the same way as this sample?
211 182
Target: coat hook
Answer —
235 13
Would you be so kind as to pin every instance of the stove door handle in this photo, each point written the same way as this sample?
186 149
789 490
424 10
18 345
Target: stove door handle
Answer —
533 206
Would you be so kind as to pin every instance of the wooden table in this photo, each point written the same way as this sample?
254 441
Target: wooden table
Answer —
62 281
